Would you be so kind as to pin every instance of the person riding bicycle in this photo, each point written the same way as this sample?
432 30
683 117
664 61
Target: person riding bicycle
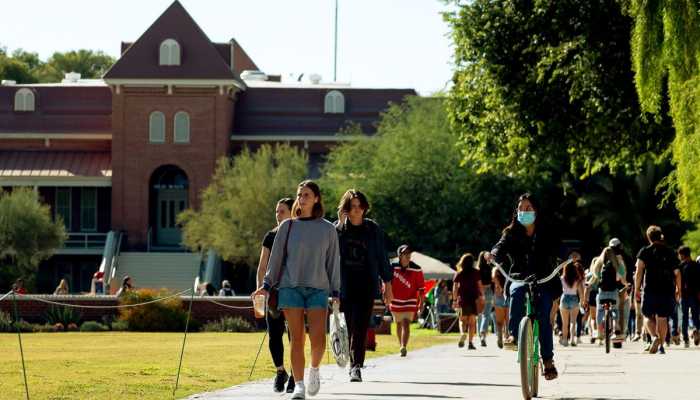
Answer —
607 272
530 249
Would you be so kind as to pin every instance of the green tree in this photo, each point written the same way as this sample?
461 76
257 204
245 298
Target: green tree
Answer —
88 63
418 191
665 54
27 235
542 86
238 205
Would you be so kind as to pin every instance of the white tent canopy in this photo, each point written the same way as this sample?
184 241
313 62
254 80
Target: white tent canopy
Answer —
432 268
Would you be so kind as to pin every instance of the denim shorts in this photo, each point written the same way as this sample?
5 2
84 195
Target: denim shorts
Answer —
303 297
500 301
569 301
606 296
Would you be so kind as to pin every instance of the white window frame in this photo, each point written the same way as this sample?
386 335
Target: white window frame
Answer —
334 103
67 222
83 228
151 130
169 53
187 127
25 100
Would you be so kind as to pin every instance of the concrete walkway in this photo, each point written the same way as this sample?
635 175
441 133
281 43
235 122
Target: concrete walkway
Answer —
446 372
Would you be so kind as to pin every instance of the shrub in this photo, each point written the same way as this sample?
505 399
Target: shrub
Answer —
163 316
229 324
63 315
119 326
24 326
93 326
72 327
46 328
6 322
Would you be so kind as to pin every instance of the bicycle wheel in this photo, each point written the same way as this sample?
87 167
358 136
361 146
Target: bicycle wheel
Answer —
525 355
608 330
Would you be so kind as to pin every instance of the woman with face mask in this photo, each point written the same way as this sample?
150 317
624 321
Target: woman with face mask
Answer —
529 248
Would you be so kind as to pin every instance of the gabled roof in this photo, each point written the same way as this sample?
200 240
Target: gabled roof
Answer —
199 58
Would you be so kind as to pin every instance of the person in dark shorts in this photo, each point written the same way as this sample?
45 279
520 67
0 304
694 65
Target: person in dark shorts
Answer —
466 292
658 284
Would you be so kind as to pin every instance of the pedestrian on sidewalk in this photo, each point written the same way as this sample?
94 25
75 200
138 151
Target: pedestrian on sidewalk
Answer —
363 265
500 305
274 318
607 273
467 293
690 296
408 286
486 316
658 272
572 285
305 265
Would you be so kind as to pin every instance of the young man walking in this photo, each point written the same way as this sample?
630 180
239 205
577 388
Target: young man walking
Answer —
408 286
690 296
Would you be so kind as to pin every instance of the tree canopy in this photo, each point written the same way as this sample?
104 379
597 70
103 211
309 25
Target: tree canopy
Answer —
26 67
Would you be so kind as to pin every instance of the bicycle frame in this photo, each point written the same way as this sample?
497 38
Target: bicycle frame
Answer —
530 312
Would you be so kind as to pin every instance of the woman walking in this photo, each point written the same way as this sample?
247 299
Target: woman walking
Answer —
364 264
569 305
305 266
500 304
467 293
486 315
274 318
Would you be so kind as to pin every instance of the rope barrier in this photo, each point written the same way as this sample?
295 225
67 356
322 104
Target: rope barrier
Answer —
228 306
104 307
5 295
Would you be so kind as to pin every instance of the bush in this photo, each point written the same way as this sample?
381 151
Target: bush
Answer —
24 326
63 315
93 326
229 324
119 326
6 322
163 316
46 328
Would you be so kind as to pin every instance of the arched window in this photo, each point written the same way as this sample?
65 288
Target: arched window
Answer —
169 52
24 100
334 103
182 127
156 127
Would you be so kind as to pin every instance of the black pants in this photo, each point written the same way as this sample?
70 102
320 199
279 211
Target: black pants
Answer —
275 331
358 311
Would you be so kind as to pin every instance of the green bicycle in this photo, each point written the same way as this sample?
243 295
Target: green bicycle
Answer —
529 332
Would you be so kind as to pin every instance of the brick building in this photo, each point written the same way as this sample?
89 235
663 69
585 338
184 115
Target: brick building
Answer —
118 158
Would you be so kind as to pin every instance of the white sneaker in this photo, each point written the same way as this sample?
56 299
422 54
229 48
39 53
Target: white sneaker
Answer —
314 381
299 391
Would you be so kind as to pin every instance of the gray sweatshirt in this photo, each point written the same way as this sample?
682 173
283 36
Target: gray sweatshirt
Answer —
313 256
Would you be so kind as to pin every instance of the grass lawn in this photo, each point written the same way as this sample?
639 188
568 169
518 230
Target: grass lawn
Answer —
129 365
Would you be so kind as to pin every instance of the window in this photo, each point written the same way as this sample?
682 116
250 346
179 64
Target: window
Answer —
335 103
156 127
182 127
169 52
63 203
24 100
88 209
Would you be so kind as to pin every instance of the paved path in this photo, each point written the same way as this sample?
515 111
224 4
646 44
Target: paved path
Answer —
446 372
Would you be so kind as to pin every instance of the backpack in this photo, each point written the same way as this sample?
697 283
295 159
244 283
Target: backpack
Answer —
608 277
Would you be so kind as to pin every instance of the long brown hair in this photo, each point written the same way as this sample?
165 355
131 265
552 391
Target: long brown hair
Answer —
346 201
318 210
571 274
467 261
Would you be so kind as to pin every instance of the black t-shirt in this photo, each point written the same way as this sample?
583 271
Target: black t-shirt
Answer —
690 271
269 239
354 254
660 264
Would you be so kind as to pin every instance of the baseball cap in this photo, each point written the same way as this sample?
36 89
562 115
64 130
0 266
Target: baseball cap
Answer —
404 248
615 242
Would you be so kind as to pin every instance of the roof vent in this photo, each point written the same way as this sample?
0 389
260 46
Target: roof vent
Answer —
8 82
315 79
252 75
71 77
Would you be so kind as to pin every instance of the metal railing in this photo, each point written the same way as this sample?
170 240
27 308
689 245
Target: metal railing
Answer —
84 240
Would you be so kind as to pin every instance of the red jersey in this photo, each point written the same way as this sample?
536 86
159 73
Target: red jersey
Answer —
407 285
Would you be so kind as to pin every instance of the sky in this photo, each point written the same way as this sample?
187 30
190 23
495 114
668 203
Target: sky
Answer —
381 43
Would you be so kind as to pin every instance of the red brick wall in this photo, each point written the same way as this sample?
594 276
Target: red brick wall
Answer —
56 144
134 159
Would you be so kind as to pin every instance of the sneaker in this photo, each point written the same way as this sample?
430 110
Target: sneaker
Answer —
578 340
647 347
314 381
661 350
280 380
592 339
483 342
510 343
676 340
355 375
471 346
499 341
563 342
299 392
460 344
403 352
686 343
573 343
696 337
655 344
637 338
290 385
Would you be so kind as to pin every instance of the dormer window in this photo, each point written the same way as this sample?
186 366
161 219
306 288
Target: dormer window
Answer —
334 103
169 52
24 100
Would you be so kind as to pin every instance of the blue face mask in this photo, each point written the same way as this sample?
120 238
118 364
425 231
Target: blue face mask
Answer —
526 218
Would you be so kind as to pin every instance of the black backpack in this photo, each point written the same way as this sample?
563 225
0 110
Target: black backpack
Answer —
608 277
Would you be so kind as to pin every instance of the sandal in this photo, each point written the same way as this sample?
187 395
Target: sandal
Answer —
550 371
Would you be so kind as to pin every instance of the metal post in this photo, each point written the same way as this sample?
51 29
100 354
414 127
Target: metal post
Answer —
184 339
21 349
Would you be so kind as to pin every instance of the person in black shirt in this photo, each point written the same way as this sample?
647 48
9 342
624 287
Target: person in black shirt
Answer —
690 296
274 318
363 261
658 266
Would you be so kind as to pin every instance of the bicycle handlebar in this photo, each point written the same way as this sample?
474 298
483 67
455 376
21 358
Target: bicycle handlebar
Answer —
539 281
